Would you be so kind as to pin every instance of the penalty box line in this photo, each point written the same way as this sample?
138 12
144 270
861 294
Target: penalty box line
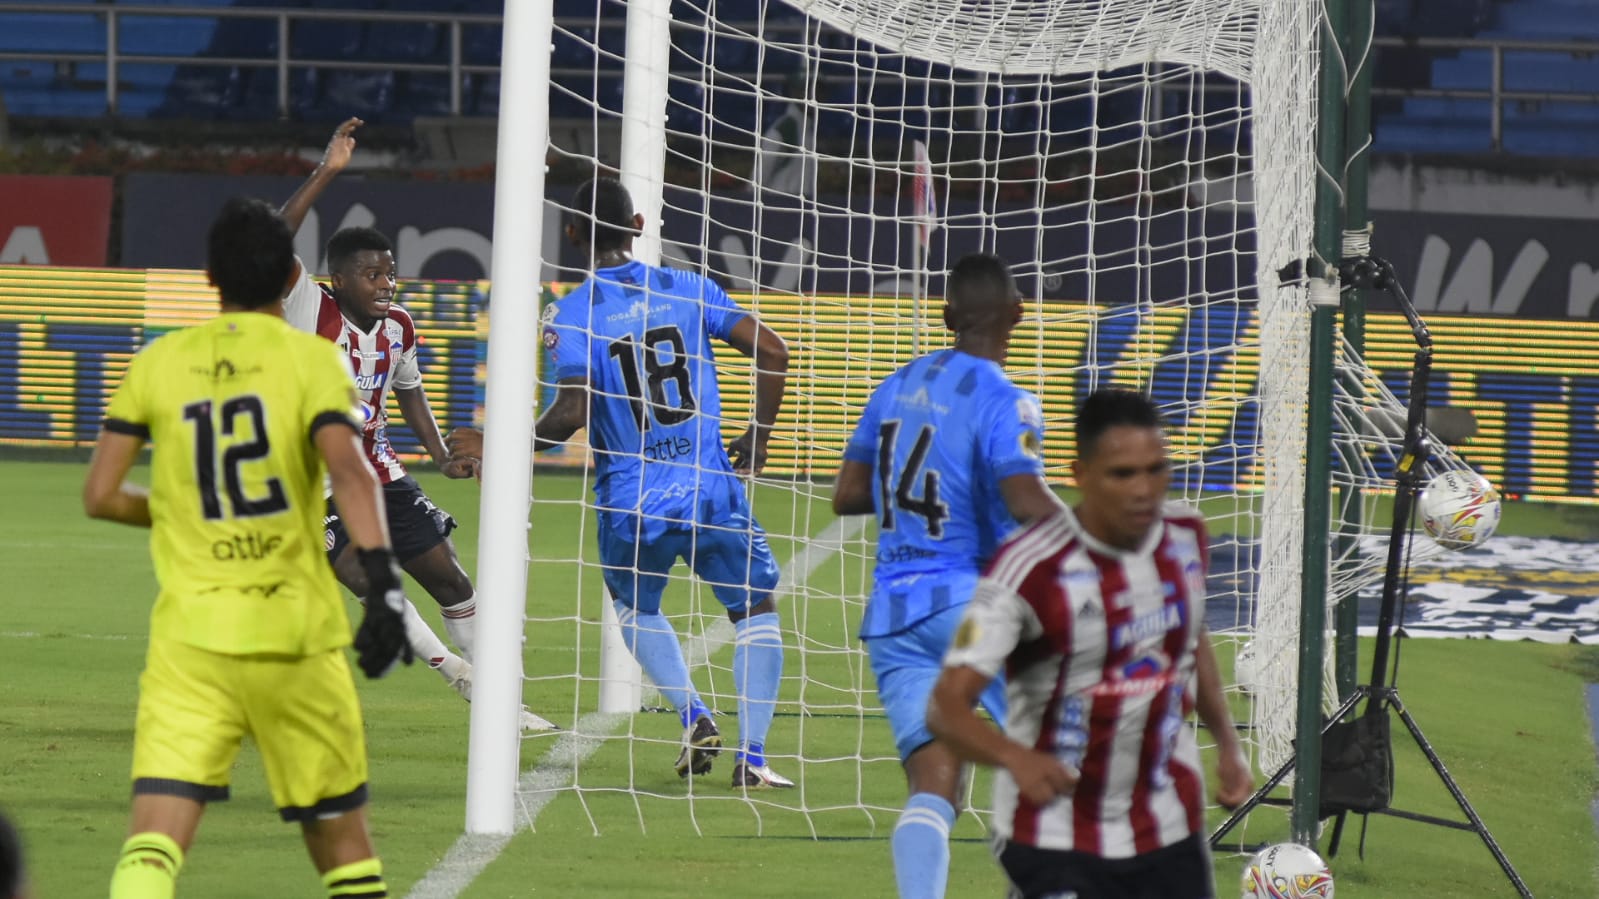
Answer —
471 854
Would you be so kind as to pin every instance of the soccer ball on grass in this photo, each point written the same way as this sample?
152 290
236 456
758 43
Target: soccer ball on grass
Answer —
1459 509
1287 871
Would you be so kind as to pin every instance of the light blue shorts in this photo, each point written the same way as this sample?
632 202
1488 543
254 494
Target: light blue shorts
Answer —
731 555
906 666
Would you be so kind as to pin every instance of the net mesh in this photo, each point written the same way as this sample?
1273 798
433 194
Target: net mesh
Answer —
1146 168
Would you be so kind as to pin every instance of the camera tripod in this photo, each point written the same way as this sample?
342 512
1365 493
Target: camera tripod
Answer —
1381 695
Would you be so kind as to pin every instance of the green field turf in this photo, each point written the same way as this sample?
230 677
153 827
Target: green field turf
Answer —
1507 719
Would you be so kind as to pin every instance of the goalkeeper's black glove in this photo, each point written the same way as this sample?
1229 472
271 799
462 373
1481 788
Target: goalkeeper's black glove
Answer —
380 640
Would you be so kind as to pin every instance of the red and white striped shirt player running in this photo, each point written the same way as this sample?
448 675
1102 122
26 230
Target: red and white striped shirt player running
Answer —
1096 617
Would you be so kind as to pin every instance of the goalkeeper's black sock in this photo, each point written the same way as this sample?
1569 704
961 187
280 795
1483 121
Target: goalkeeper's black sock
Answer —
357 880
148 868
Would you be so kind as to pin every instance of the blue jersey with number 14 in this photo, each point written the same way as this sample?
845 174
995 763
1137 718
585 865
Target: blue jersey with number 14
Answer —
940 434
641 336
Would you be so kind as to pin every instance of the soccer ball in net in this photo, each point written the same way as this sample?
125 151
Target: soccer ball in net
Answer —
1459 509
1287 871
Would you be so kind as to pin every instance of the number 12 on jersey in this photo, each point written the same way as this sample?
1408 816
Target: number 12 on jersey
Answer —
205 458
892 497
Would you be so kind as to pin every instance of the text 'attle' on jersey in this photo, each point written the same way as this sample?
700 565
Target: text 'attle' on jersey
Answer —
940 434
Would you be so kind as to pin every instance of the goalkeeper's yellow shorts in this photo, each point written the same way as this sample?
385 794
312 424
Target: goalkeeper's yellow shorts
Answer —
195 706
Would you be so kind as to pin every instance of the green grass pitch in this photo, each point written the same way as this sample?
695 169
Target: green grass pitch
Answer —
1507 719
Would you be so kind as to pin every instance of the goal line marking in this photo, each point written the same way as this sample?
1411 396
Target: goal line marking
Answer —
554 773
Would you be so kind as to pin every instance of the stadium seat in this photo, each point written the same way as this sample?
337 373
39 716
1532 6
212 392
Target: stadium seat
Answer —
407 41
480 44
1550 138
199 92
1550 20
56 101
422 94
341 93
164 35
1417 135
485 96
46 33
330 40
685 105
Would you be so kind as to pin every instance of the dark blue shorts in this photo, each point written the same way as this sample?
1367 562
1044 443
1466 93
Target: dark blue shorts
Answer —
416 525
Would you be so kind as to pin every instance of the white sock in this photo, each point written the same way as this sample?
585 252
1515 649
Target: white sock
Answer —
460 621
426 644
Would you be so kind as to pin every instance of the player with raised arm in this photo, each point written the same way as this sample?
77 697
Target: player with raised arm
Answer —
633 362
248 632
356 310
949 455
1097 618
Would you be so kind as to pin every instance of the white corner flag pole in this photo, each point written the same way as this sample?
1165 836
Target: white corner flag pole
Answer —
524 130
924 212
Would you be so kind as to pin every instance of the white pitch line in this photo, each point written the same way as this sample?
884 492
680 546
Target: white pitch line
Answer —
557 770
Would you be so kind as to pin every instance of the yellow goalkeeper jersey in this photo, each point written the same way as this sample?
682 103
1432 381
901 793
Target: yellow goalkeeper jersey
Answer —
236 498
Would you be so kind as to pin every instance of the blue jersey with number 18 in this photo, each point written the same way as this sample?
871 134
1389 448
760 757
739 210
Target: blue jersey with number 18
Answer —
641 336
940 434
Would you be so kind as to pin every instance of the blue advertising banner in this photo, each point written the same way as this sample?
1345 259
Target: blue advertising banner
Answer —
1106 252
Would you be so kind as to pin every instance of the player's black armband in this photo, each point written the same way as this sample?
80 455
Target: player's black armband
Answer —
332 418
130 428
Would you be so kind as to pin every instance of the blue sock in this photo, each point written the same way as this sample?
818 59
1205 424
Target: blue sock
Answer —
757 669
921 847
654 643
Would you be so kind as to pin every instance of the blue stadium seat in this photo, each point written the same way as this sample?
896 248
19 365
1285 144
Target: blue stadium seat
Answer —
407 41
199 92
164 35
1550 138
422 94
27 73
573 49
55 101
685 102
46 33
485 96
339 94
325 40
1416 135
1555 21
480 44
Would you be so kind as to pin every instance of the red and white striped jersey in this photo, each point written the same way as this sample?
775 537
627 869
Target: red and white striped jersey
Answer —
1098 648
381 358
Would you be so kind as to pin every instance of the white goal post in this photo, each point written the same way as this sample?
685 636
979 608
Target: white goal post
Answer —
1146 166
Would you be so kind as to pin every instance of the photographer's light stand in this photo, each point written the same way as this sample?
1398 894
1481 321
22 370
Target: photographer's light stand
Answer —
1381 695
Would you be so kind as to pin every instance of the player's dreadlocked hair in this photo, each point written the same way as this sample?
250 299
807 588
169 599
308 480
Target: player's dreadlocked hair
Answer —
346 242
1109 407
249 253
602 211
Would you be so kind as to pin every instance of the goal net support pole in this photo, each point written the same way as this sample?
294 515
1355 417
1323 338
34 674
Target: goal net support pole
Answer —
643 164
524 129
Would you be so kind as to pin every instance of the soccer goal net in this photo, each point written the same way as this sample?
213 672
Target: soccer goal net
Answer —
1145 166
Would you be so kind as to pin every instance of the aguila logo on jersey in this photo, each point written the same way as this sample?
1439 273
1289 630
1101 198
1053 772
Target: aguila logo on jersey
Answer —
1149 626
370 382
